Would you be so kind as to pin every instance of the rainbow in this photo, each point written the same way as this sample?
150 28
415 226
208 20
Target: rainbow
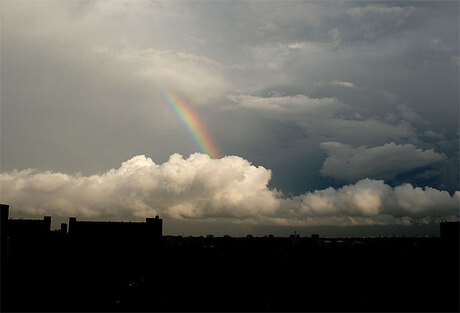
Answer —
194 125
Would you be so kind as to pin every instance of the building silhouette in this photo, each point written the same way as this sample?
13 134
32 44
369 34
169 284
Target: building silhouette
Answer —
105 239
96 266
29 227
4 215
450 232
151 229
23 227
99 255
22 234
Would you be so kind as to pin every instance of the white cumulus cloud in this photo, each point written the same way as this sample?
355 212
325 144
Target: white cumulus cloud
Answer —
370 202
230 189
196 187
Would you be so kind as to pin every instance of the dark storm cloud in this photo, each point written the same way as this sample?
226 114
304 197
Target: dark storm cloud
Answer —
81 85
350 164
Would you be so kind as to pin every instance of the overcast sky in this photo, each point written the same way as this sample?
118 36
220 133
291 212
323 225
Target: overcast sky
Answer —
327 114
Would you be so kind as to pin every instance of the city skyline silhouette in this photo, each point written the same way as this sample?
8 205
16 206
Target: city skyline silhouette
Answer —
229 155
131 266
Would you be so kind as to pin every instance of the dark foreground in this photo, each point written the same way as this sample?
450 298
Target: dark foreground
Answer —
232 274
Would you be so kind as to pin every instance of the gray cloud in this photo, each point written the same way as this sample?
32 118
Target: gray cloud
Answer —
327 117
394 11
196 77
349 164
292 105
342 84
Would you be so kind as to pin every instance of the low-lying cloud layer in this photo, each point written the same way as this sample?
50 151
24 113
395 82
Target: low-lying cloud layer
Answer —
230 189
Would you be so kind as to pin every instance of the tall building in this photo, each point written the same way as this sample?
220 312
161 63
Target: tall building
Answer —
4 215
22 228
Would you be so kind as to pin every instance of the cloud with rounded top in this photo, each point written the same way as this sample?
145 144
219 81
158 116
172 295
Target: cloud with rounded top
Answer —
196 187
230 189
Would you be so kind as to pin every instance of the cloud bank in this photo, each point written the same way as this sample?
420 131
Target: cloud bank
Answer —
230 189
349 164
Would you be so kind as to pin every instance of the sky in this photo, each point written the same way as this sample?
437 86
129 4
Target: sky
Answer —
233 117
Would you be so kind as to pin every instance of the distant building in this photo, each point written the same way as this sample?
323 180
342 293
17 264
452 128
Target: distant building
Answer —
22 235
5 212
4 215
63 229
29 227
150 230
295 238
22 227
22 238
